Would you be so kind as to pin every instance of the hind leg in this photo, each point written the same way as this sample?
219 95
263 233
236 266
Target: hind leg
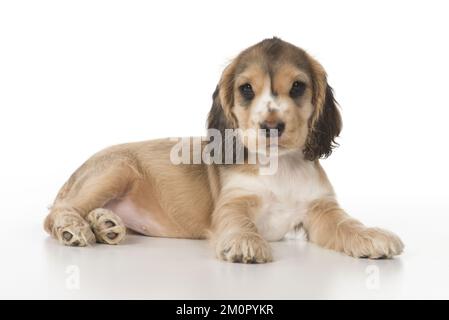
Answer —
77 217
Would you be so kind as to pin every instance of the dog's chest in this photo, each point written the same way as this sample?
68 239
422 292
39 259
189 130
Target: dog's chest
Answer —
284 197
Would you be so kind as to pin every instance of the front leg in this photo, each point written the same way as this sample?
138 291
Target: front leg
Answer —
234 234
330 227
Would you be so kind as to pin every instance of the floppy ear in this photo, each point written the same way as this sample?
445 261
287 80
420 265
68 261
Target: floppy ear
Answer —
325 124
220 116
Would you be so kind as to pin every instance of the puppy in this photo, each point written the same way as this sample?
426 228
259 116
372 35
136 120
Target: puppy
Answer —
272 85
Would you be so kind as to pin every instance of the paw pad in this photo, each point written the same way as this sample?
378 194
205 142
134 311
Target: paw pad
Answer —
67 235
107 226
72 230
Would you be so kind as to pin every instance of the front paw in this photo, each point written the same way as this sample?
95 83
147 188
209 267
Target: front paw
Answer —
244 248
373 243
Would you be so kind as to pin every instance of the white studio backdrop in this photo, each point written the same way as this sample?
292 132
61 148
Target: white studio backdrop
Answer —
77 76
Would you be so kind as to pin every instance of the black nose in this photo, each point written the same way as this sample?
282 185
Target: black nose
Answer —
279 125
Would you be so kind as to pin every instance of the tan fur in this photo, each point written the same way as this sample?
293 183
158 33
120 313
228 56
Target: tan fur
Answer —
178 195
330 227
226 203
235 236
106 225
319 88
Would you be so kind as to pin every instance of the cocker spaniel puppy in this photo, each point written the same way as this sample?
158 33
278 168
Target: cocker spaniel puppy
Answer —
272 87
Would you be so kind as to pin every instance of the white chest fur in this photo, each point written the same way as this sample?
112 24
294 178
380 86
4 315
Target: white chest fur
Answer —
284 196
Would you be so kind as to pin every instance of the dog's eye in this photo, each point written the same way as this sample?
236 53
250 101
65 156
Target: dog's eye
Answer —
297 89
247 91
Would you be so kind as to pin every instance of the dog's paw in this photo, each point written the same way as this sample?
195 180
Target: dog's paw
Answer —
72 230
244 248
106 225
373 243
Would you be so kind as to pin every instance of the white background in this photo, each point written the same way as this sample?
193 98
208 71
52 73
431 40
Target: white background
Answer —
77 76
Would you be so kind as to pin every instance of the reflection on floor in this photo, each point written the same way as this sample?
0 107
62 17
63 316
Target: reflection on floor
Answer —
155 268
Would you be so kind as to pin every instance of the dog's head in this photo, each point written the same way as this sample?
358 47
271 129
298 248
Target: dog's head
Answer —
275 85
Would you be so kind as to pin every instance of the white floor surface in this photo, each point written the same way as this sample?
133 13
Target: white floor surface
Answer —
36 266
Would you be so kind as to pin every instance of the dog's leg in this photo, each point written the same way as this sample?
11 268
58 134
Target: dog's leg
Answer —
77 217
329 226
234 234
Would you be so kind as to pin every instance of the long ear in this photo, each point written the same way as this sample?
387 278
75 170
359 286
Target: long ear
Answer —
217 118
325 124
220 115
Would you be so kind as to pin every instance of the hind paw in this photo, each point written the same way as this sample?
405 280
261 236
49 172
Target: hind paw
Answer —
107 226
72 230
